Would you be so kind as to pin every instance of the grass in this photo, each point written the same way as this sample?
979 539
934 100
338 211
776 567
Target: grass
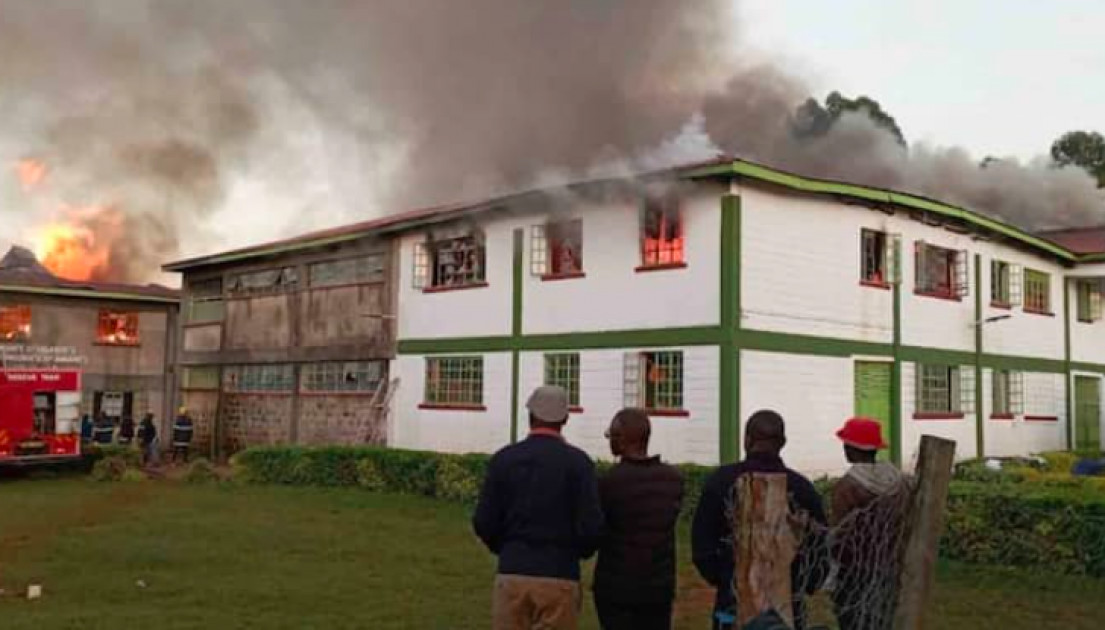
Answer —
279 557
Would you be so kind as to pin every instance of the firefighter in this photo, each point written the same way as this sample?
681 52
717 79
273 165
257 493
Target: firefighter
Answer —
147 439
182 435
103 431
86 429
126 431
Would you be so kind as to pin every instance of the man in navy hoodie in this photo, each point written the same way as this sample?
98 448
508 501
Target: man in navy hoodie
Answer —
539 513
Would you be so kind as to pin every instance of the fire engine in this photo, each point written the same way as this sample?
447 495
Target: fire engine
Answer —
39 415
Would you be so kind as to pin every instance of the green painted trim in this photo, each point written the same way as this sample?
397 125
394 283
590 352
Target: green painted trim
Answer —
810 345
980 408
896 376
729 375
87 293
937 356
1067 363
1078 366
1023 364
455 345
822 186
516 328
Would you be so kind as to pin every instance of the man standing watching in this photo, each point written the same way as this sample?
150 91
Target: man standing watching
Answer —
641 498
183 429
712 534
539 512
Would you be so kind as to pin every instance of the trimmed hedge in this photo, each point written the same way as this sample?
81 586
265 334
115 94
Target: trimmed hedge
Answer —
1061 528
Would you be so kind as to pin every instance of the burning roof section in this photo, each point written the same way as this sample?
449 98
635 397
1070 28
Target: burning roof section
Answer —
1055 245
20 272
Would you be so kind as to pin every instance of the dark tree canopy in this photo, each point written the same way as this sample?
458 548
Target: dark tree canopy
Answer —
812 119
1082 148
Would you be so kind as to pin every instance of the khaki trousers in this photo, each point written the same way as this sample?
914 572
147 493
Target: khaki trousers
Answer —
522 602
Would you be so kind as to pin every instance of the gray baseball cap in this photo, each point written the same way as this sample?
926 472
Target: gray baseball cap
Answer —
549 403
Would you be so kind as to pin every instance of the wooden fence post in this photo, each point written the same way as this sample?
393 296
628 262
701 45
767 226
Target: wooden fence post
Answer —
765 546
934 472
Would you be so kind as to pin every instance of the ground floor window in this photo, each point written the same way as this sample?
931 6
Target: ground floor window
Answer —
939 389
454 381
1008 392
562 369
343 376
654 381
259 378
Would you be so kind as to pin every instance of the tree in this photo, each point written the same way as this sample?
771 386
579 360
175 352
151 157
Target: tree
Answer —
1082 148
812 119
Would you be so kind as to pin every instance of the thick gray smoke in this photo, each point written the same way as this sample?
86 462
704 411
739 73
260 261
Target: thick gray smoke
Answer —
210 124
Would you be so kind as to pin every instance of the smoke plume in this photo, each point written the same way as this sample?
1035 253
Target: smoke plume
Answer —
209 124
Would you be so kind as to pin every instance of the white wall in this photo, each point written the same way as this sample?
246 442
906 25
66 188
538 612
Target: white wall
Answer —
1087 340
1023 334
613 295
473 312
801 267
813 394
446 430
1043 397
676 439
960 430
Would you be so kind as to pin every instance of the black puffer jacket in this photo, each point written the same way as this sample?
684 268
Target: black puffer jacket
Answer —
641 500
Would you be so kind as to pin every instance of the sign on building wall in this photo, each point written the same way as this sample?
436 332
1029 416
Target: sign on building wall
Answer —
40 357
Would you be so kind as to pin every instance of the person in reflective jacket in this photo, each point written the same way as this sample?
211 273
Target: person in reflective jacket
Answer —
182 435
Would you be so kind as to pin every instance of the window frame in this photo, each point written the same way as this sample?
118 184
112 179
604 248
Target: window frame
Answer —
956 272
186 378
286 280
22 329
873 246
566 376
375 264
315 378
198 296
545 243
1088 301
669 251
1037 284
466 365
275 379
640 388
955 388
107 314
428 264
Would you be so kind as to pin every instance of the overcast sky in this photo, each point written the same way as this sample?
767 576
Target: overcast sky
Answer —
1000 77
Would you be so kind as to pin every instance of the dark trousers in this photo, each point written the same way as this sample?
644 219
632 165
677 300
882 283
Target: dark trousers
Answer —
618 616
181 452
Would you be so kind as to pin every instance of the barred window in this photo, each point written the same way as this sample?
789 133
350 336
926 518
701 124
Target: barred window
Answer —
454 381
873 267
562 369
661 232
1089 300
654 380
339 376
15 323
455 262
1001 386
938 389
556 249
263 282
117 328
999 283
1037 291
259 378
360 270
205 301
940 272
206 377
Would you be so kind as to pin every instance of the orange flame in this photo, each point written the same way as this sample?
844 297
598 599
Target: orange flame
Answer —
31 172
77 248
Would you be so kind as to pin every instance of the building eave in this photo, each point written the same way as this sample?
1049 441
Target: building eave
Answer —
88 294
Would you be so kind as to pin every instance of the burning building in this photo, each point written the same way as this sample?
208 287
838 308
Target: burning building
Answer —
69 348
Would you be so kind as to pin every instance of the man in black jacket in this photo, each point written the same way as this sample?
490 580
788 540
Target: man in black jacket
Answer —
539 512
641 497
711 533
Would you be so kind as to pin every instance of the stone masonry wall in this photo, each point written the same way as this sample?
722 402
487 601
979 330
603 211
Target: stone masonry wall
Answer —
340 420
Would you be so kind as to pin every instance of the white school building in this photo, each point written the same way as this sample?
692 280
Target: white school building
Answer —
706 293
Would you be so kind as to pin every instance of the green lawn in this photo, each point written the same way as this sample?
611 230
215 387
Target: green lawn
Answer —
274 557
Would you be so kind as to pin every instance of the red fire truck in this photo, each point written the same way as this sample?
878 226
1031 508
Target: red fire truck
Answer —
39 415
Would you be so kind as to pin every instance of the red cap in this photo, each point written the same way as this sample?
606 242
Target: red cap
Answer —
863 433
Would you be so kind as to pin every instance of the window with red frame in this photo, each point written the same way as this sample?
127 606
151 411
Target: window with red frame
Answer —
661 232
940 272
117 328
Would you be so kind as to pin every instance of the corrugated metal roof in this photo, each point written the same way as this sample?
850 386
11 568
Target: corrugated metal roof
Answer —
1088 240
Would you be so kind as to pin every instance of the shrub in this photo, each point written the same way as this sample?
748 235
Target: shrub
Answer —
368 475
97 452
109 469
459 478
133 474
201 471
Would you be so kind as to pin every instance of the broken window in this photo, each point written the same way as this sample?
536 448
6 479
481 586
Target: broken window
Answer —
940 272
454 262
654 380
117 328
339 376
879 254
15 323
205 301
1037 292
562 370
259 378
661 232
263 282
456 381
557 249
360 270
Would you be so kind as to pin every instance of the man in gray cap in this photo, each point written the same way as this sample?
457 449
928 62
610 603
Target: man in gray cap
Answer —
539 513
